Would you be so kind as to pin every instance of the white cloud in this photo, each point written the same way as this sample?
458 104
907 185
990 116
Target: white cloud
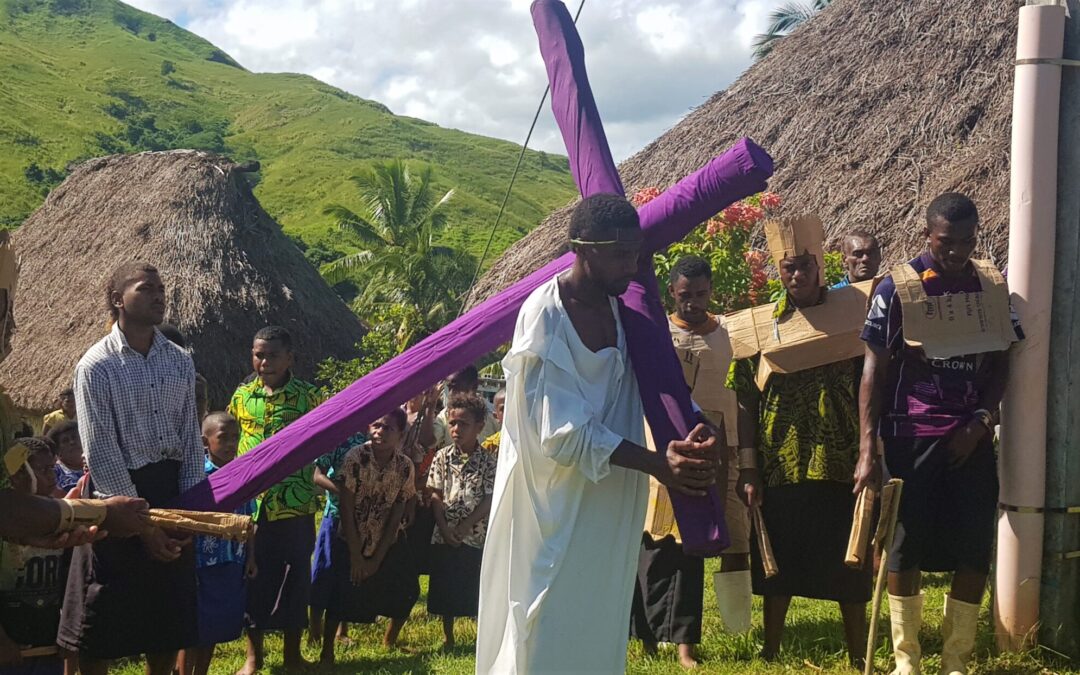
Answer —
474 64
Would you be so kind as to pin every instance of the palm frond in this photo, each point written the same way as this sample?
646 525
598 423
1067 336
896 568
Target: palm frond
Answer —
336 271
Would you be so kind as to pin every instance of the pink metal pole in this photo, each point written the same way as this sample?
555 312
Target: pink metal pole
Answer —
1033 215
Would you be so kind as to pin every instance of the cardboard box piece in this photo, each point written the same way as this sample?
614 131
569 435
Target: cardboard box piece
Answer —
795 236
947 326
805 338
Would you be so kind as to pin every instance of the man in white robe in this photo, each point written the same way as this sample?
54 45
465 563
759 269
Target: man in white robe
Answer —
572 482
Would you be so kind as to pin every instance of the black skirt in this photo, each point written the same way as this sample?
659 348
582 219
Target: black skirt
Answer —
668 595
119 602
454 589
391 592
278 595
809 525
420 532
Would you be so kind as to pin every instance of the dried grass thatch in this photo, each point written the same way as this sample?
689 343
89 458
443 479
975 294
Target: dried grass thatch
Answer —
870 110
227 265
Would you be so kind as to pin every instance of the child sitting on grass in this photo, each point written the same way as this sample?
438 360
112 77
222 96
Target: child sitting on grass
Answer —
32 579
221 566
372 567
70 463
461 479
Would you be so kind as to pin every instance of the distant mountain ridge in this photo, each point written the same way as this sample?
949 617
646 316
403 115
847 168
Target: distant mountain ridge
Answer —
83 78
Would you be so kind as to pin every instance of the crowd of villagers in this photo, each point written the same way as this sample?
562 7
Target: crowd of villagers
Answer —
411 493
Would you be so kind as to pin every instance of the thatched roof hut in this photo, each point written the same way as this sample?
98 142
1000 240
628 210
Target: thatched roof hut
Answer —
228 268
870 110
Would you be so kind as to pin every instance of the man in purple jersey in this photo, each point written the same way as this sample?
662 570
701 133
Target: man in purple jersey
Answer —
936 418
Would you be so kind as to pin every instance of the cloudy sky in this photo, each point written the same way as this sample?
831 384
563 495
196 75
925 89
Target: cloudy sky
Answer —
474 64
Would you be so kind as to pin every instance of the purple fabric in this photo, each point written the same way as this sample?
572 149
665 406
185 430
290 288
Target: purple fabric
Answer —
664 393
739 172
572 101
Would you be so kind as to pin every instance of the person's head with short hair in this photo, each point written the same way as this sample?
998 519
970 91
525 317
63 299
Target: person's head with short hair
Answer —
862 255
67 402
799 276
465 417
952 230
136 295
605 233
690 288
464 381
65 437
387 433
500 404
42 461
272 356
220 437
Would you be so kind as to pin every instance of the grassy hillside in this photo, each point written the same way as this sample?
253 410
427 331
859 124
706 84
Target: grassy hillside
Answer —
81 78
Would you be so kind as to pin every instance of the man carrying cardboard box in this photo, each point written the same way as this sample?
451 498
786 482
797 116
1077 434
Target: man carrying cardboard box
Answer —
937 339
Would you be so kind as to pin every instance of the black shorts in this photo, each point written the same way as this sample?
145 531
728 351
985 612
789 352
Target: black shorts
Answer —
947 515
278 595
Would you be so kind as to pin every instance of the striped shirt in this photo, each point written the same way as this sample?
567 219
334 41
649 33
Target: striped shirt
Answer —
135 410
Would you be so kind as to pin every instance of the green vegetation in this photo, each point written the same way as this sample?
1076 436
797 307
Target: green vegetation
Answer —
399 264
813 643
82 78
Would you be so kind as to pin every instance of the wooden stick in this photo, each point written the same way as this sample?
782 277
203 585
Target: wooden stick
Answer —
883 539
222 525
764 544
34 652
861 525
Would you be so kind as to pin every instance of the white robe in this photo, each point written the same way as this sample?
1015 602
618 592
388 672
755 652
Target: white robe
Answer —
565 527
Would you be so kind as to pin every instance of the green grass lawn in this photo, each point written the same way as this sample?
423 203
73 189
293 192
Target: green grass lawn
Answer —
813 643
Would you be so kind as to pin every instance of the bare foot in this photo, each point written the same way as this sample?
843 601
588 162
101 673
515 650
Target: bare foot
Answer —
687 658
768 654
345 640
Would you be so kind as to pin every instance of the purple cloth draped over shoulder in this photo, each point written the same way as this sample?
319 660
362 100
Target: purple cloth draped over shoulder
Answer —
664 394
738 173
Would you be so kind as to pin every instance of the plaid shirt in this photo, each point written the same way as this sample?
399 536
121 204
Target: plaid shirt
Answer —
136 410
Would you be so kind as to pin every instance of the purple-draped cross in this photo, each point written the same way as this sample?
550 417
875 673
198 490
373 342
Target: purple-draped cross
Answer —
738 173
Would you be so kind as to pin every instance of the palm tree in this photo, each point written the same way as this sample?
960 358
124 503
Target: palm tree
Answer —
783 21
399 214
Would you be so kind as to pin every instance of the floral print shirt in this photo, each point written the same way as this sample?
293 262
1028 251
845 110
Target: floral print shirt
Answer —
261 415
377 489
464 481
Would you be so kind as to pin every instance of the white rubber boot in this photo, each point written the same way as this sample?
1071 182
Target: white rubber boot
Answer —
958 633
905 614
733 596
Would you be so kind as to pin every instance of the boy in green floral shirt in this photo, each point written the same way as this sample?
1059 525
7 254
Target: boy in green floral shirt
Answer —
285 514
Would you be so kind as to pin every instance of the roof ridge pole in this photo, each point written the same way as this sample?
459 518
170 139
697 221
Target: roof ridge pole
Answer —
1032 209
1060 614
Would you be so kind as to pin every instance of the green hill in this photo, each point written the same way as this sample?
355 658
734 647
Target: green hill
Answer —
82 78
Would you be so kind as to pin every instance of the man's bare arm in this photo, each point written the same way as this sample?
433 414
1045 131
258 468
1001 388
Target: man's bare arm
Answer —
875 369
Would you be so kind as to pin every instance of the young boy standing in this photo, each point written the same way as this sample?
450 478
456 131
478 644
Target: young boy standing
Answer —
69 463
462 479
221 566
285 514
374 573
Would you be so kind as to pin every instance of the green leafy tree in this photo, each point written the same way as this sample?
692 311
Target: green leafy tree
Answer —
400 213
783 21
381 343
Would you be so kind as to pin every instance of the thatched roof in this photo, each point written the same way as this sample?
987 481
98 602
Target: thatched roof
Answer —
870 110
228 268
